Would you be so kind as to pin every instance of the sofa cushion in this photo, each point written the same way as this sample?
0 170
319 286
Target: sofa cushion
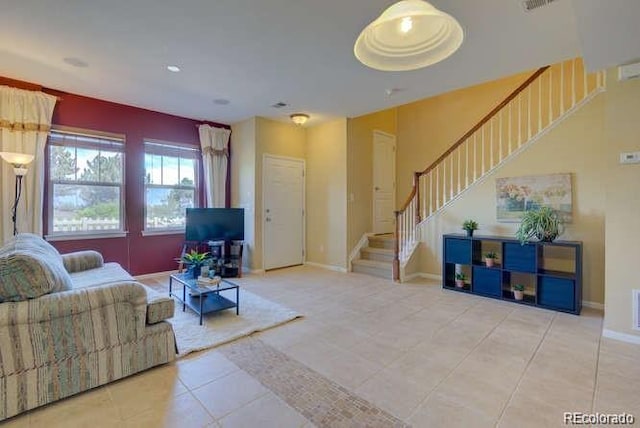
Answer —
159 307
30 268
108 273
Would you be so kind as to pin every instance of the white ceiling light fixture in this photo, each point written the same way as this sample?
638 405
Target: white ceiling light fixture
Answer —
173 68
299 118
409 35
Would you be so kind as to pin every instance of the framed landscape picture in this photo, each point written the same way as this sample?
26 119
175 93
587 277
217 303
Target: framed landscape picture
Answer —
515 195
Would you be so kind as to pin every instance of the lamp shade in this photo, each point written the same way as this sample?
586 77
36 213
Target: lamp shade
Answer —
17 158
408 35
299 118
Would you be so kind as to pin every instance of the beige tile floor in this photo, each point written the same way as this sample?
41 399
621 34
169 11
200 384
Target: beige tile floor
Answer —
429 357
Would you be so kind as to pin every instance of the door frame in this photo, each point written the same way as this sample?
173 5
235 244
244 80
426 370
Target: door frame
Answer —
373 190
266 156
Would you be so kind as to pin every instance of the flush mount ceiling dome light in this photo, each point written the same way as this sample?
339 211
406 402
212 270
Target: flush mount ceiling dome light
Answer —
299 118
410 34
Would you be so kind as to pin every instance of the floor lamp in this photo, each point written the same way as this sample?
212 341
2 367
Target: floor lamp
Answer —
19 162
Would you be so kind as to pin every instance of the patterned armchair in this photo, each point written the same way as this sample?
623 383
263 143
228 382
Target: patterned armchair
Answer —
71 323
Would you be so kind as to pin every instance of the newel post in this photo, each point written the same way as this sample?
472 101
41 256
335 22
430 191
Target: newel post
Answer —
396 249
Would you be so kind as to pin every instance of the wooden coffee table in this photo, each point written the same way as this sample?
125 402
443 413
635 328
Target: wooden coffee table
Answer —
204 299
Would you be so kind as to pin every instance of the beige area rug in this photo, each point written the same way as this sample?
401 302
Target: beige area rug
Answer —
256 314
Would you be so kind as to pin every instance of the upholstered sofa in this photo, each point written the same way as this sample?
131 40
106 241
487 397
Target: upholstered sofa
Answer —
71 322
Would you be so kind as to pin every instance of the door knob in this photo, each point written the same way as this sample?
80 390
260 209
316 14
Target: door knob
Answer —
376 188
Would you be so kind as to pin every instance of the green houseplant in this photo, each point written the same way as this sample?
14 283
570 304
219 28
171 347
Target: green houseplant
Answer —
518 291
470 226
544 223
460 278
490 258
195 260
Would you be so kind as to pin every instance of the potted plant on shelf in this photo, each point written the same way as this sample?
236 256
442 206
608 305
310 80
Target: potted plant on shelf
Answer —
490 258
544 223
195 260
460 278
470 226
518 291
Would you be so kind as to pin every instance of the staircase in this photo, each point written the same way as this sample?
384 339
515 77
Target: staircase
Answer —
377 257
550 95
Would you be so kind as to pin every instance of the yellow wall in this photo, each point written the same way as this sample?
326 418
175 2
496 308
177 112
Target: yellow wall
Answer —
622 203
574 146
243 187
360 172
326 191
427 128
274 138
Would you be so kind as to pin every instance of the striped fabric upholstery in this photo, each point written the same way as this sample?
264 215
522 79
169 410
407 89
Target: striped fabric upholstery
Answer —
159 308
60 344
82 260
30 268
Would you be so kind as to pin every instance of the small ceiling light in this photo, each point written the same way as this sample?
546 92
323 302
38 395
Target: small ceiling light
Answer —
299 118
408 35
173 68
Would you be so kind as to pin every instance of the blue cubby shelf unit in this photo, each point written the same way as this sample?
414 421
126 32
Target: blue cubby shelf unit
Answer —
551 271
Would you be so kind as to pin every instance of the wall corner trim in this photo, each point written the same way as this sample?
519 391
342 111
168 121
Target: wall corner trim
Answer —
623 337
328 267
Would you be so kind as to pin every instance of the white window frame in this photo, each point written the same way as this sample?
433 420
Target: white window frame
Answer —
171 149
112 142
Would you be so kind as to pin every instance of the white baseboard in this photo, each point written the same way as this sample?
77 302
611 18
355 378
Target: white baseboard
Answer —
623 337
329 267
423 275
153 275
593 305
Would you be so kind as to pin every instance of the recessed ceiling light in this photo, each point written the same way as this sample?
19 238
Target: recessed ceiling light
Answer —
221 101
76 62
173 68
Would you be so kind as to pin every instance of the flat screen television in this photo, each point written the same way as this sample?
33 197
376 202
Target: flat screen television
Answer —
215 224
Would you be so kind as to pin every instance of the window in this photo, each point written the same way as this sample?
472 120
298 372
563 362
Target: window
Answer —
170 184
86 194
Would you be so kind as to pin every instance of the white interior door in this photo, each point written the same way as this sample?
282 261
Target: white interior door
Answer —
283 212
384 182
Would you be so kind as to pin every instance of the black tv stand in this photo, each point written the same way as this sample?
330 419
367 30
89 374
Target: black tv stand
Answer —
226 258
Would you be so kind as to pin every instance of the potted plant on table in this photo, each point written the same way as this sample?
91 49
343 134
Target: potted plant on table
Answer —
460 278
490 258
195 260
518 291
470 226
544 223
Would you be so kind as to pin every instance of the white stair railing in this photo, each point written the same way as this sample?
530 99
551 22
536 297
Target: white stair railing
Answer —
550 94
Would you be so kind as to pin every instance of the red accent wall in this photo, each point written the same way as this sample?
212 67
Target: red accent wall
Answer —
138 254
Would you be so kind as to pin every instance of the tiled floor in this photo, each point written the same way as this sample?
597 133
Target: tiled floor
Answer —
414 352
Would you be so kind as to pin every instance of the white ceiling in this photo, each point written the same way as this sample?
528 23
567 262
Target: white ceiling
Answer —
258 52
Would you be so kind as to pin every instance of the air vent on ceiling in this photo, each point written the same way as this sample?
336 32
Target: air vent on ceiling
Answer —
279 105
629 71
530 5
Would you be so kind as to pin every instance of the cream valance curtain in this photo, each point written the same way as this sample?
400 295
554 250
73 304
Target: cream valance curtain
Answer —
25 120
215 159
